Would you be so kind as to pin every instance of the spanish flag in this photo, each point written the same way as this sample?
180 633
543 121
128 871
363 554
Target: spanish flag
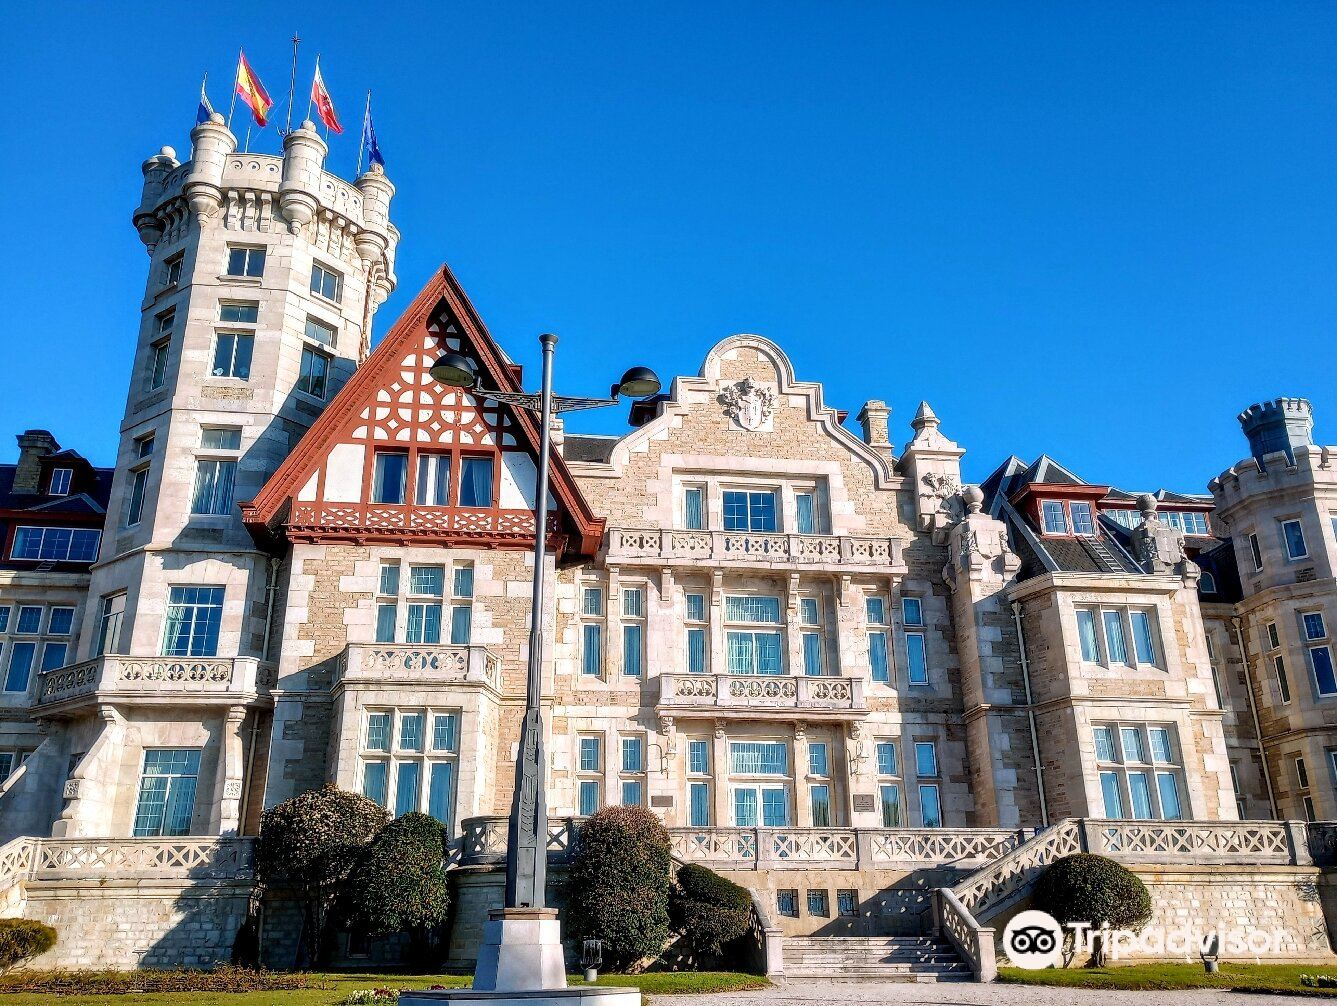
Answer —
253 92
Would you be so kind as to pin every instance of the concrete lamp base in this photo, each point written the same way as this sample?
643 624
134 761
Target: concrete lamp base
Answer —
521 964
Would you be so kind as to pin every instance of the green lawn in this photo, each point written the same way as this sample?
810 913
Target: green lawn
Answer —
344 984
1241 977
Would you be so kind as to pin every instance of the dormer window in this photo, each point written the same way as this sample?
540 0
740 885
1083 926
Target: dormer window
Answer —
1082 521
60 481
1055 518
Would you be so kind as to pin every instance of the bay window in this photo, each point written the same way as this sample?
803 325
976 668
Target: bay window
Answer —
194 617
166 800
753 648
409 760
1140 771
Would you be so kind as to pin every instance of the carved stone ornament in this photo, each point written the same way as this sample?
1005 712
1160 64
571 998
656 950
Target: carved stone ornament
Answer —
947 492
748 403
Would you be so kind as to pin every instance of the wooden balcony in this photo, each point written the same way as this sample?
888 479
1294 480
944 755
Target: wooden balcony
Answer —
381 664
153 681
749 694
844 553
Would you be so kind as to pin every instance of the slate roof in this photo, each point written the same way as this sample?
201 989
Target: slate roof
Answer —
94 502
588 447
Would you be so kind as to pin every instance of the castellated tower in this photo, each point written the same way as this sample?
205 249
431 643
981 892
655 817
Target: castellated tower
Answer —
264 273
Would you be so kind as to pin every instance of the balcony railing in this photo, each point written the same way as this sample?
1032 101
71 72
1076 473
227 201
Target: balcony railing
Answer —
753 548
156 678
752 692
415 664
483 840
841 848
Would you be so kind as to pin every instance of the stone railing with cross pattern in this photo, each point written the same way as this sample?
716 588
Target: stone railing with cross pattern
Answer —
750 548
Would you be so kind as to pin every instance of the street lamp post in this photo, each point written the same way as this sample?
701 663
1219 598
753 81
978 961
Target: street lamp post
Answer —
527 963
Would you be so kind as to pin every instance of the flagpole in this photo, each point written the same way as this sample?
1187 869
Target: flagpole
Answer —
362 140
292 82
246 147
312 97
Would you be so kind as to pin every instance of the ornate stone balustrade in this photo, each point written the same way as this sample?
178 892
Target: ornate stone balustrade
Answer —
157 858
155 679
975 943
650 546
752 692
16 859
417 664
1198 842
839 848
483 840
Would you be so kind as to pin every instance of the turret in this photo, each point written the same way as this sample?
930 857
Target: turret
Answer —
933 464
377 237
1280 425
146 220
303 161
212 141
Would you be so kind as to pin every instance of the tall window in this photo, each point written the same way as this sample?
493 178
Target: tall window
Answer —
313 376
389 477
1086 633
590 769
160 349
633 632
753 646
215 478
109 623
1302 787
1055 519
819 784
55 544
139 479
1114 638
749 510
245 261
409 760
232 355
889 783
879 662
326 283
810 619
1144 637
805 512
172 269
166 792
926 768
1256 553
475 482
1082 521
1313 625
60 481
1139 771
698 783
19 670
761 798
592 631
916 654
433 485
387 602
694 508
1294 537
194 615
1320 659
462 604
426 587
697 659
633 771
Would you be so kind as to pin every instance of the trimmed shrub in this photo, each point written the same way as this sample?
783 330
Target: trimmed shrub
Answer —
619 888
1094 890
707 909
313 842
154 980
400 883
21 940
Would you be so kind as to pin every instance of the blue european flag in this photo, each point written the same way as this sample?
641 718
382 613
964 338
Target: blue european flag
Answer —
369 140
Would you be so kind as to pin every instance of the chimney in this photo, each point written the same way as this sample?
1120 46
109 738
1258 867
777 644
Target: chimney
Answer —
873 418
34 445
1280 425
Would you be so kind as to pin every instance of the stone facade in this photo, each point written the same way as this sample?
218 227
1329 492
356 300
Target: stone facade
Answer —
794 644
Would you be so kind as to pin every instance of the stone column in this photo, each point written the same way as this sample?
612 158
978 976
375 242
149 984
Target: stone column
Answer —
793 628
802 804
225 818
719 762
90 789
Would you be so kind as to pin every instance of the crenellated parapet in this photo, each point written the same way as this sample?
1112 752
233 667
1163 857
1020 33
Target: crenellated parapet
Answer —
259 193
1274 473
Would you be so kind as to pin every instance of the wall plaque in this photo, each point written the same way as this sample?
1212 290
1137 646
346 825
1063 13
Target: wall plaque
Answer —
864 803
661 801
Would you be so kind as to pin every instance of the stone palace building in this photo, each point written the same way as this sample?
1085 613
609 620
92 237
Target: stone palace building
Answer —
808 650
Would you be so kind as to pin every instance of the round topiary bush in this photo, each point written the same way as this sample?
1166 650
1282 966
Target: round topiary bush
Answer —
1094 890
619 886
707 909
312 843
21 940
400 883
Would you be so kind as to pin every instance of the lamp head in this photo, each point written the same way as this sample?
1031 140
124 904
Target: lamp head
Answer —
638 382
455 371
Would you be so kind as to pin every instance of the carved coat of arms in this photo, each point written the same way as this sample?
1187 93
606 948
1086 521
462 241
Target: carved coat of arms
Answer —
748 403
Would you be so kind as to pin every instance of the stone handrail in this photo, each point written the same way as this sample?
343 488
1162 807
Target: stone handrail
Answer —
201 857
418 663
839 848
483 840
16 859
1009 876
171 677
753 547
768 940
761 691
975 943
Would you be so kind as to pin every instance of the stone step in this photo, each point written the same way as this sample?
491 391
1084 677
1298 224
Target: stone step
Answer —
884 958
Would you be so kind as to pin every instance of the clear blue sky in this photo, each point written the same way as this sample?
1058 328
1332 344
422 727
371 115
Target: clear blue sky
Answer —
1097 230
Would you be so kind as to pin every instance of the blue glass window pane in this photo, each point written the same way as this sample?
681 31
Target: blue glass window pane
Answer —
60 621
1086 632
1056 521
1109 787
389 583
699 812
411 731
408 779
385 623
912 611
752 608
1114 637
389 477
774 808
30 619
374 781
926 758
745 808
812 653
592 650
698 757
589 797
1143 641
20 666
696 607
378 732
917 661
803 503
891 806
424 623
1081 519
1295 539
589 754
886 758
768 653
427 580
877 657
1132 744
633 754
631 650
53 656
1168 789
818 763
439 791
1139 790
631 793
1104 744
696 651
476 482
759 757
461 624
930 807
694 511
1321 659
821 806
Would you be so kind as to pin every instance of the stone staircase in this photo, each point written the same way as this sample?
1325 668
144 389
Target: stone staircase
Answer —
878 958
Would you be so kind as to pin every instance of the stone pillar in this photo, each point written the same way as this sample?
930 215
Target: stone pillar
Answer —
933 464
719 761
793 627
89 791
861 764
225 818
802 802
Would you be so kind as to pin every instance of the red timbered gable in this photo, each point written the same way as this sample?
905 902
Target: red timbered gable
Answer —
455 470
